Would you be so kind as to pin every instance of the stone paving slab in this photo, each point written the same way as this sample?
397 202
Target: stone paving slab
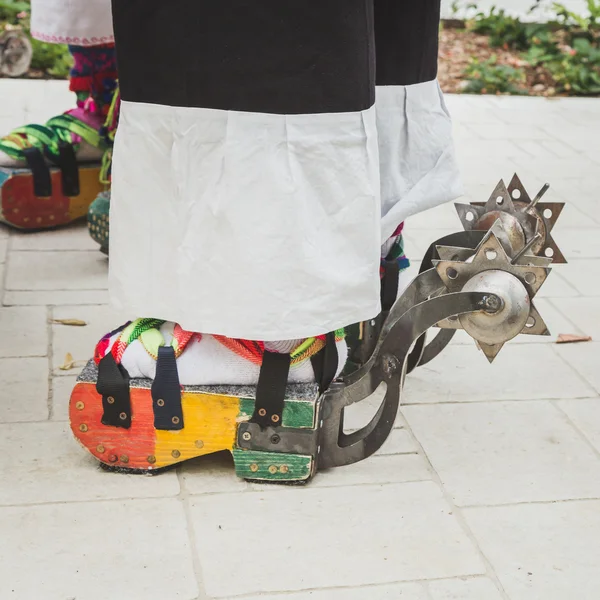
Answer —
326 538
43 463
96 551
542 551
522 433
506 452
514 7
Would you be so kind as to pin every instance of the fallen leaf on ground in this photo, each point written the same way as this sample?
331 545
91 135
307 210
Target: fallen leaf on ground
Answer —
71 322
571 338
68 364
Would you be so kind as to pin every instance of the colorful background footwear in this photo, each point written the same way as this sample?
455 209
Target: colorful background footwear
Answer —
97 217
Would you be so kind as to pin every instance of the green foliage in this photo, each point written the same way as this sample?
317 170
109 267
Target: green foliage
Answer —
571 54
578 71
55 59
506 31
488 77
587 23
9 9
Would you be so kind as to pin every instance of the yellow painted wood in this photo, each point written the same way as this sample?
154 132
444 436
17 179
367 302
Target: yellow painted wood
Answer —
210 423
90 186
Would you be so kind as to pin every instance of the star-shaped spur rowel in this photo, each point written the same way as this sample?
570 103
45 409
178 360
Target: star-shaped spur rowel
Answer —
522 217
460 267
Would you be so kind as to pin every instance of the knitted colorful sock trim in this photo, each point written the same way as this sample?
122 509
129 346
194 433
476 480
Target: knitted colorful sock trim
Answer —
94 76
393 249
147 330
206 359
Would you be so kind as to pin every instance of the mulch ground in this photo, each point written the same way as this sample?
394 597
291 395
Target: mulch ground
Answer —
458 47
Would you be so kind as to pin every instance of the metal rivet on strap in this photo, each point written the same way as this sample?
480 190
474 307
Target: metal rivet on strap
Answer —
151 459
125 458
273 469
79 405
175 454
262 412
113 458
83 427
123 416
199 444
160 402
275 418
100 449
246 436
254 467
110 400
284 469
175 420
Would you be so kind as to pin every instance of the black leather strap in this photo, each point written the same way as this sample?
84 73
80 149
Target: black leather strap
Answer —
325 363
166 392
271 389
389 284
113 386
42 182
68 169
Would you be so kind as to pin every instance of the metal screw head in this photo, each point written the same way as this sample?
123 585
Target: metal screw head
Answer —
246 436
275 439
254 467
151 459
273 469
79 405
83 427
492 304
110 400
199 444
262 412
100 449
284 469
125 458
275 418
175 454
389 364
175 420
123 416
160 402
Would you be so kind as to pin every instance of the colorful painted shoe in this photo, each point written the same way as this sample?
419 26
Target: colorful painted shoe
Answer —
98 220
151 398
50 174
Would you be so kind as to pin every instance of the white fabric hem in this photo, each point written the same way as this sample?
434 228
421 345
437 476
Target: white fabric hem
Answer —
269 227
248 225
76 22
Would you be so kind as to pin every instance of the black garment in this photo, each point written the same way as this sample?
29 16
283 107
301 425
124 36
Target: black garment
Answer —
273 56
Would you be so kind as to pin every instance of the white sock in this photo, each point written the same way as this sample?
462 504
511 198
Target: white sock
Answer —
206 361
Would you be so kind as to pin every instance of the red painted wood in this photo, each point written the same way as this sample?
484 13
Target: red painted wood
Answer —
135 444
22 209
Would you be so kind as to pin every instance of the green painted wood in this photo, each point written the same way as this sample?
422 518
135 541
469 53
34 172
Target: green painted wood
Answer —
272 466
299 414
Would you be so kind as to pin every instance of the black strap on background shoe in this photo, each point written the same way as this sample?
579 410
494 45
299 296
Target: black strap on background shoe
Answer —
166 392
325 363
389 284
113 386
271 389
68 169
40 172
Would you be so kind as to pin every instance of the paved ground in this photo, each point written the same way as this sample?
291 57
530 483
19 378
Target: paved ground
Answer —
515 7
488 489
